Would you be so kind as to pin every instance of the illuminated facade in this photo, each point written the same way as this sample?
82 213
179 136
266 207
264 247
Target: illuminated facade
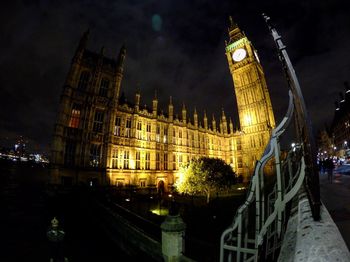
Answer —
101 137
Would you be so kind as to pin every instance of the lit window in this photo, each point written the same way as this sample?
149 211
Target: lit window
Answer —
148 161
117 127
98 122
158 133
165 136
75 117
104 87
128 128
157 161
84 80
180 160
142 182
148 132
174 162
126 159
115 158
139 130
138 160
165 161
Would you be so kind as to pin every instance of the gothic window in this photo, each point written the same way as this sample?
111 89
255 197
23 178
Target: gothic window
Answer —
75 116
148 161
69 154
148 131
174 162
104 87
165 161
84 80
157 161
126 159
128 128
98 122
119 182
165 136
117 126
95 152
138 159
139 130
158 133
180 160
174 136
142 182
239 146
115 158
239 162
180 137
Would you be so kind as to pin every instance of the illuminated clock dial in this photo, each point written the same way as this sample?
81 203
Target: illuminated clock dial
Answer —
239 54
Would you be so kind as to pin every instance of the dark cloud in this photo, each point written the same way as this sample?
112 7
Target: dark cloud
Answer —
180 53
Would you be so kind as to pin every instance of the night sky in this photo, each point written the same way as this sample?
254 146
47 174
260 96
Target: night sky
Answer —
174 47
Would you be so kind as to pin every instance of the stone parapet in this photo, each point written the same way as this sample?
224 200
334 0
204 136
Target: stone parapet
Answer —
307 240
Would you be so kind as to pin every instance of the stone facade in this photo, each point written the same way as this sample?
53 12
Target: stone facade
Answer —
100 137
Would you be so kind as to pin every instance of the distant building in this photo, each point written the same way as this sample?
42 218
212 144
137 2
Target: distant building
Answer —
340 128
101 137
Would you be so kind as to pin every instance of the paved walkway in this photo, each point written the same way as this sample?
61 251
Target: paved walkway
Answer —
336 197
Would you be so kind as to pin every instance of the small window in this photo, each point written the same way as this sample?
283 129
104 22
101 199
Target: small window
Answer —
98 122
117 126
75 117
104 87
142 182
138 166
115 158
128 128
126 159
84 80
95 152
148 161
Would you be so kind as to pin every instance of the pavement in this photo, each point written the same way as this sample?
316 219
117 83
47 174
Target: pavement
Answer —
335 196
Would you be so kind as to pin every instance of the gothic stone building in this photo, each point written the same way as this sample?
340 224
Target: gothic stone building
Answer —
101 138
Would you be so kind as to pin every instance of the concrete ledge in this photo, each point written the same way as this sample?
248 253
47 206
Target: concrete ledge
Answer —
306 240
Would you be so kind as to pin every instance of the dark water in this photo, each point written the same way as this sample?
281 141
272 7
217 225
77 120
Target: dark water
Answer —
25 214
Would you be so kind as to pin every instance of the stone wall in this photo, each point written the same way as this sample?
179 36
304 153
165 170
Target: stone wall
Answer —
306 240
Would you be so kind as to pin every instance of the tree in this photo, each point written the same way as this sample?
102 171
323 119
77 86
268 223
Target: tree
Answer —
205 175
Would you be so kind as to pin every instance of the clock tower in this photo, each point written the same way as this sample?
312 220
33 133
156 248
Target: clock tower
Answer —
253 100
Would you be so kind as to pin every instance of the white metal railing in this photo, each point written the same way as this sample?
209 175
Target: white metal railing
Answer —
258 221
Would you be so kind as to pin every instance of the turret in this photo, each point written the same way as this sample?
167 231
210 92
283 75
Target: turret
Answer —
195 118
171 110
205 120
81 47
155 104
137 100
231 126
184 112
224 122
119 70
213 123
234 32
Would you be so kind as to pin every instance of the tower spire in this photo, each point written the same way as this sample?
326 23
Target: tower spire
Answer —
82 45
171 109
234 32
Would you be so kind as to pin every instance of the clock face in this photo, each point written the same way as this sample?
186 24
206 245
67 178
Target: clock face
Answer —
239 54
